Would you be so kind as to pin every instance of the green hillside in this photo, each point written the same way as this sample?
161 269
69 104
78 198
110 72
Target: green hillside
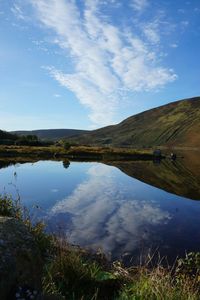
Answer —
174 124
52 134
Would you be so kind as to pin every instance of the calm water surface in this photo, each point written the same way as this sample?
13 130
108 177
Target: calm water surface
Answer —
100 206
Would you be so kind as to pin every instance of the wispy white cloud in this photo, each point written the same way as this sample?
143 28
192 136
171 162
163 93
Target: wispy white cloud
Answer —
109 60
181 10
54 190
41 45
139 5
151 31
57 95
174 45
18 12
185 24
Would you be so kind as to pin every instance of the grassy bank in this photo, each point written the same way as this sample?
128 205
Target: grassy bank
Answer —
73 273
75 152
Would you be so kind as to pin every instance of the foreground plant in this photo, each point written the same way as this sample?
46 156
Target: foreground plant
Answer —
10 207
159 284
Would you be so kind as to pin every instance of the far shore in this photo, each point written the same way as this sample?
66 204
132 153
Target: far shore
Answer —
76 152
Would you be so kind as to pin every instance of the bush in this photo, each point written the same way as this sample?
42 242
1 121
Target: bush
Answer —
65 144
9 207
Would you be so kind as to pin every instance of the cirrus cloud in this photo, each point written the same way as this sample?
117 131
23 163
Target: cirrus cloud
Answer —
109 60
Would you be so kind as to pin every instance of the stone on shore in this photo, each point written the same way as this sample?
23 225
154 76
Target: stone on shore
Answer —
20 259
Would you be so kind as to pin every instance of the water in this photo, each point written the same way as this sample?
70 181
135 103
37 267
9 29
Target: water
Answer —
124 208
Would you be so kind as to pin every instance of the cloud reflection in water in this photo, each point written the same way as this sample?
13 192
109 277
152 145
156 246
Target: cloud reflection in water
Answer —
103 215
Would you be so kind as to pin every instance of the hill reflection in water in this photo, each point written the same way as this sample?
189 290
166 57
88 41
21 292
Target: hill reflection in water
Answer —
180 177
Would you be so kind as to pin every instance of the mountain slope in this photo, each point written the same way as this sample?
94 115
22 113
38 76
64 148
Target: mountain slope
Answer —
174 124
52 134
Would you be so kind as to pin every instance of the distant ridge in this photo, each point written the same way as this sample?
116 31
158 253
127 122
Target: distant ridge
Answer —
173 124
52 134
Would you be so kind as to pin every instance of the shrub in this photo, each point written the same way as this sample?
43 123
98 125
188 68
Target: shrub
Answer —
65 144
9 207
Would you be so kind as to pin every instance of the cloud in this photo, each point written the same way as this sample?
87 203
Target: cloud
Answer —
41 46
18 12
139 5
152 33
109 60
181 10
57 95
174 45
102 215
185 24
54 190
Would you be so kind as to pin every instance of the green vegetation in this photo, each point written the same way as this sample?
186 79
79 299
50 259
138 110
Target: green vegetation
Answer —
174 124
64 143
74 152
31 147
10 208
72 273
7 138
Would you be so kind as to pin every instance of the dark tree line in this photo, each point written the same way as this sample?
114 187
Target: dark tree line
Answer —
7 138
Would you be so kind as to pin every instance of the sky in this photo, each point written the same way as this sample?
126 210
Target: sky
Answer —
85 64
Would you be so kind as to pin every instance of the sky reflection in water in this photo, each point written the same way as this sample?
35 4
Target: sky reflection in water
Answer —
98 206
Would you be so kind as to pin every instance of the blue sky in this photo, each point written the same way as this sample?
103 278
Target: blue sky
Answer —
87 64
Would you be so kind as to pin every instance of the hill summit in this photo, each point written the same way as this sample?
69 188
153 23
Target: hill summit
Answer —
173 124
51 134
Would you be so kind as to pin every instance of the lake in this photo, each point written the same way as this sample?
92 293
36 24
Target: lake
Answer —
123 208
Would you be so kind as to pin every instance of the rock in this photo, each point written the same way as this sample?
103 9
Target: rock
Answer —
20 259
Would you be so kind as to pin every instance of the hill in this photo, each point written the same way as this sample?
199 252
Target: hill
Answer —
52 134
174 124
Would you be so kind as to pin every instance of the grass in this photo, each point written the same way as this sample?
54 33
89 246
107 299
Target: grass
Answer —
73 273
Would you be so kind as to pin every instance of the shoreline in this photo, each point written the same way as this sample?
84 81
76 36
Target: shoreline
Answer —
77 152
